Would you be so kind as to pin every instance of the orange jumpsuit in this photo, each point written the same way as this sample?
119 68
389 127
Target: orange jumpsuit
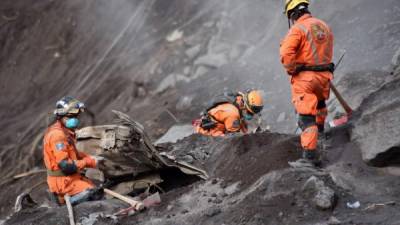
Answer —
58 145
228 119
309 42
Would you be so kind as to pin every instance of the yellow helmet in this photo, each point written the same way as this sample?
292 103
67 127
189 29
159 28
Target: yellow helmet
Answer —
253 101
291 4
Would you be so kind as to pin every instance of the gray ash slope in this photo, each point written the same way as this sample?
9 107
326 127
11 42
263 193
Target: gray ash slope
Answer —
253 184
114 55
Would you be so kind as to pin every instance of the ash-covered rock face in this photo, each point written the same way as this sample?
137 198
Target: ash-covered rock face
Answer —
376 129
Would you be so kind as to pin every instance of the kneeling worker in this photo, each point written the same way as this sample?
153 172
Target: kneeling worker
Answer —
228 113
63 161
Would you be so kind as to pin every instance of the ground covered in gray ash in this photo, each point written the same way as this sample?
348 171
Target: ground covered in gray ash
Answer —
160 62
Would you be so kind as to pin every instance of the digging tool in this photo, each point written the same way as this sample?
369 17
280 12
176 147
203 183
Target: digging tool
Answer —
151 200
70 210
136 204
344 119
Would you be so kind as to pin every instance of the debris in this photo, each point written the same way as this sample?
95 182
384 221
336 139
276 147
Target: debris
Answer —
174 36
31 172
152 200
200 71
193 51
23 201
184 103
170 81
137 205
11 17
375 205
70 209
213 211
333 221
323 196
212 60
354 205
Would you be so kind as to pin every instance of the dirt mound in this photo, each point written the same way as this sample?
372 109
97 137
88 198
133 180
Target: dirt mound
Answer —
252 183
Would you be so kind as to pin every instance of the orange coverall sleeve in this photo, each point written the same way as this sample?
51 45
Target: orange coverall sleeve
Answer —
60 146
90 162
289 48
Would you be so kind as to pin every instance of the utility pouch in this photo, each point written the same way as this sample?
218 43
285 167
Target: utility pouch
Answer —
207 123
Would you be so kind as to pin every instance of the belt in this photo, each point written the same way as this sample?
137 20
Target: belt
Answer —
55 173
317 68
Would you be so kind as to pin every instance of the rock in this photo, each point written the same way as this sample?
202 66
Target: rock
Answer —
170 81
184 103
201 70
281 117
333 221
376 129
185 211
188 158
212 60
186 70
396 58
323 197
175 133
94 174
213 211
217 201
209 24
192 52
174 36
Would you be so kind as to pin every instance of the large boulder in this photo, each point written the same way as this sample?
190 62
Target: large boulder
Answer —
377 125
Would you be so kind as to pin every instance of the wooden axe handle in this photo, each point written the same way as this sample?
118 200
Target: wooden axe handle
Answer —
137 204
341 100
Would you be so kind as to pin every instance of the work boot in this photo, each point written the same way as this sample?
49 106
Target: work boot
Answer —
312 157
321 141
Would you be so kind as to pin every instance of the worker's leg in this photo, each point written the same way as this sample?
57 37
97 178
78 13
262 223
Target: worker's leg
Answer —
322 113
92 194
305 103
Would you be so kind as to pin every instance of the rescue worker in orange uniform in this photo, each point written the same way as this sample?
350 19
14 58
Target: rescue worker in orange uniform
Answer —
228 113
306 54
63 161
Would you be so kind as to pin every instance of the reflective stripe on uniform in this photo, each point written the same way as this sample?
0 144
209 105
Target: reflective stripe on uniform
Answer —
312 44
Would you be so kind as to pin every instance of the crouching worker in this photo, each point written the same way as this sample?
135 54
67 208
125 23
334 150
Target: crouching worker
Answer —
63 161
229 112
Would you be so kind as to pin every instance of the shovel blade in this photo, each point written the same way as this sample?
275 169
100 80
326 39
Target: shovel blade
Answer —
340 121
152 200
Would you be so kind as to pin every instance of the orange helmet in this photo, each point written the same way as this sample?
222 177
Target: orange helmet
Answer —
253 101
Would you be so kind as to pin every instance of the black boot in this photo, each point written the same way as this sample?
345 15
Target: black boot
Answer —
312 157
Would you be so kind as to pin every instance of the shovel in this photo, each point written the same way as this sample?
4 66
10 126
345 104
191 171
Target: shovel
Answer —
343 119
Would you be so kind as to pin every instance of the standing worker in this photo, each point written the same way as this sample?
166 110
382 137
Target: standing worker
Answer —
63 161
229 112
306 53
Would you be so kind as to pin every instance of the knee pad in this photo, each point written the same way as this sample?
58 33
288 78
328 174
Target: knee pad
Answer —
306 121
